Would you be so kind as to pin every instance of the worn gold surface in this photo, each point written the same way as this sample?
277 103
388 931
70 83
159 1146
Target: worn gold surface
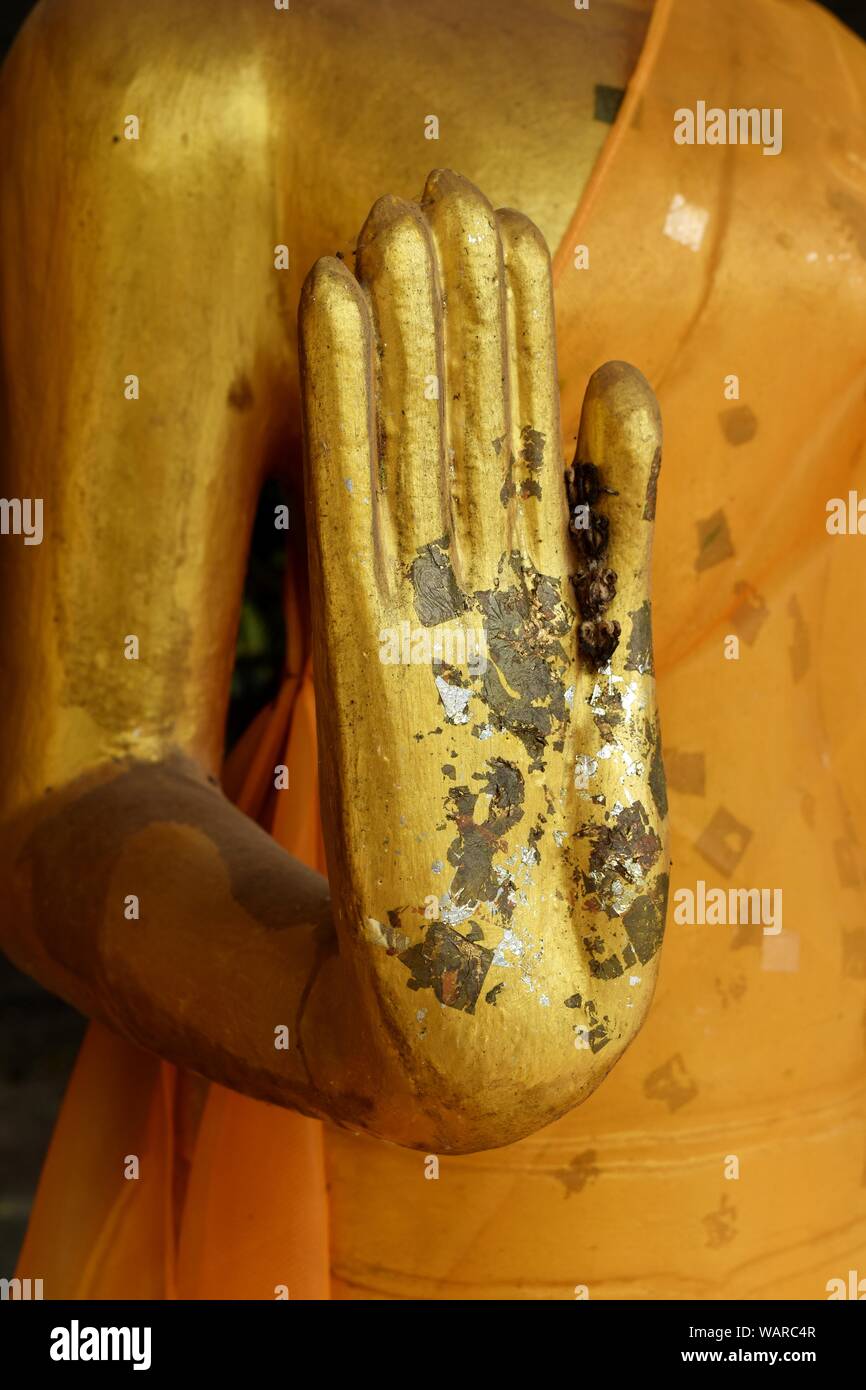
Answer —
156 257
428 801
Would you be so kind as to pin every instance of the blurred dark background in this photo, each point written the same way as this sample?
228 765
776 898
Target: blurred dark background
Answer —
40 1035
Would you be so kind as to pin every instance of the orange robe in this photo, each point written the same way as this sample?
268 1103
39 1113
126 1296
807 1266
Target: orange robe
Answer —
725 1154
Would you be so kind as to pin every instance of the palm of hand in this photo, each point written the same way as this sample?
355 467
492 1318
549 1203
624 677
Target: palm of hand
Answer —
492 782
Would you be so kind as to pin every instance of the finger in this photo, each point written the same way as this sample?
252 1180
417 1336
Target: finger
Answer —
619 777
536 484
396 265
471 269
339 426
614 479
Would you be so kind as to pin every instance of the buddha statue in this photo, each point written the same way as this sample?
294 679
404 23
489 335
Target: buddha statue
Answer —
225 257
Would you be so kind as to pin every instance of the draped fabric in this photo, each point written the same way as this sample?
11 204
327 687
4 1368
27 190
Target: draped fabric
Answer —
725 1154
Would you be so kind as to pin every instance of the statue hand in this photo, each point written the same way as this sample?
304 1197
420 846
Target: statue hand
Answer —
492 779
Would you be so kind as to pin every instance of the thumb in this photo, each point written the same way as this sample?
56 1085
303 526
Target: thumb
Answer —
612 494
622 799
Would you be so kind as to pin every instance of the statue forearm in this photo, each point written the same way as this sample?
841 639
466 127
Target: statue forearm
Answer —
145 897
147 900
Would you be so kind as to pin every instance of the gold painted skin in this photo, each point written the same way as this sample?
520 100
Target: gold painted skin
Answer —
161 265
413 789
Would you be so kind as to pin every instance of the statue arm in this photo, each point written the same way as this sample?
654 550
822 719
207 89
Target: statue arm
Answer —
149 371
